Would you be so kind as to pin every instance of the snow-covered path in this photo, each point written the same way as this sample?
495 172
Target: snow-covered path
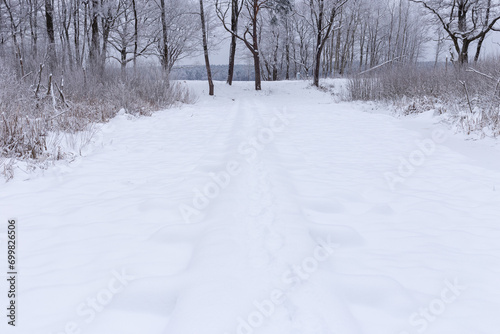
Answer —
278 212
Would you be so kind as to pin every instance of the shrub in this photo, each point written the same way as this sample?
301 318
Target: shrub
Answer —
41 105
470 96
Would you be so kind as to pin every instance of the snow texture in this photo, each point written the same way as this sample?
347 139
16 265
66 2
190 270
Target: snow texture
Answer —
272 212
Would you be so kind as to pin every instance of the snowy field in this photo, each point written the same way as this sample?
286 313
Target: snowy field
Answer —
277 212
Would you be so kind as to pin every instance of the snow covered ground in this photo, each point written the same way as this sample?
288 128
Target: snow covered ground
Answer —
272 212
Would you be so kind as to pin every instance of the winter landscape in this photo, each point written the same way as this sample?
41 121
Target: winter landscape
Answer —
337 171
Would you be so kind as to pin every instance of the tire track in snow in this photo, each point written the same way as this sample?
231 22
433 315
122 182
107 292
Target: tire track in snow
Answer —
267 229
281 211
253 233
221 245
250 235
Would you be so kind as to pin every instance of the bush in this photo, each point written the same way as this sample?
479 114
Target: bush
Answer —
470 96
38 106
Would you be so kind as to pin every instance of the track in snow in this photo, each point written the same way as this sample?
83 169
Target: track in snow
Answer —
303 234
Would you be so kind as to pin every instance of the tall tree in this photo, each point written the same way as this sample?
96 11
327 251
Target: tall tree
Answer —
322 16
108 18
465 21
250 36
179 32
236 6
164 58
205 49
485 23
15 24
94 48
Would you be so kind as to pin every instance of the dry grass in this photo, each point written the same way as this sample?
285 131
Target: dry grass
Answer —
470 96
71 104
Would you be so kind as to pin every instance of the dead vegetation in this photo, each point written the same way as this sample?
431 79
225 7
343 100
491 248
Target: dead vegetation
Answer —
38 108
470 95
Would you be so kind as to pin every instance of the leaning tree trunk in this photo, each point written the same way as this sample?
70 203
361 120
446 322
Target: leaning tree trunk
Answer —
478 49
205 50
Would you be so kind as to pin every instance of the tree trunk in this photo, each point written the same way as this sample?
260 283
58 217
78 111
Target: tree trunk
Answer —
13 31
463 57
94 52
205 50
275 61
317 66
106 29
232 55
232 50
256 54
164 50
76 30
256 64
478 49
287 50
319 33
123 63
33 28
136 34
49 20
66 23
481 39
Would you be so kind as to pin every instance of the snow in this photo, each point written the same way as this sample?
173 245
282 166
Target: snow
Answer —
281 211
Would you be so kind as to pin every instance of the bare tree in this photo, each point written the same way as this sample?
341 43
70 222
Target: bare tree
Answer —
486 22
179 31
65 17
110 11
128 36
33 8
465 21
251 35
75 9
94 47
236 7
303 35
322 17
205 49
15 30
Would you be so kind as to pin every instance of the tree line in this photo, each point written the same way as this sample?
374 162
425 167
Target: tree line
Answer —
284 39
